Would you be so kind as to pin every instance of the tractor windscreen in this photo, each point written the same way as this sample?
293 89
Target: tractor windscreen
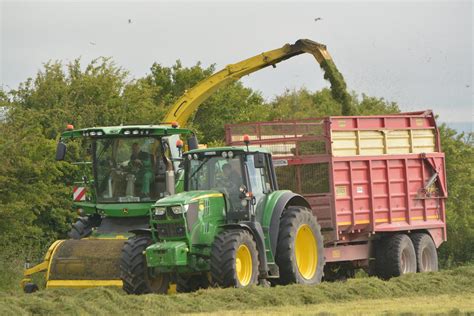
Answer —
129 169
216 173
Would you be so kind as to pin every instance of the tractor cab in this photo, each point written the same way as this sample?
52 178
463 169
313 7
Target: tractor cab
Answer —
124 165
243 176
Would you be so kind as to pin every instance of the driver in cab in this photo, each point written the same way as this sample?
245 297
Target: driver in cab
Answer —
232 182
142 161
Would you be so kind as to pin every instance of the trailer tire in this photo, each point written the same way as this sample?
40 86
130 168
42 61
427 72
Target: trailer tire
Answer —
426 254
134 272
234 259
299 235
192 283
395 255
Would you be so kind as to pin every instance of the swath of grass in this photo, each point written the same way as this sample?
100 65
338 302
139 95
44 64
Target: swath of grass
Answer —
459 304
104 301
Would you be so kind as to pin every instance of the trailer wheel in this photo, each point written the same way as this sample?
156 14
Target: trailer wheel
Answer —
191 283
395 255
300 250
426 255
135 275
234 259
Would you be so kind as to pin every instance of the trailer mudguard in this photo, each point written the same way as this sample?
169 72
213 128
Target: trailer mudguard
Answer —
275 208
256 230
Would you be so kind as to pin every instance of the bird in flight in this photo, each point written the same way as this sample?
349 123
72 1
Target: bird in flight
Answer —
129 21
92 43
317 19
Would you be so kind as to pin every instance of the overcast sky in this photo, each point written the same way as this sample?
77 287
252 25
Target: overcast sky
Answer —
418 54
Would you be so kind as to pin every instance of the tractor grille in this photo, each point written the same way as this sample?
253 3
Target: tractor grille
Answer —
170 230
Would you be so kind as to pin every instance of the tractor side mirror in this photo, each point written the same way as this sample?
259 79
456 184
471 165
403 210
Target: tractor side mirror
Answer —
193 142
259 160
60 151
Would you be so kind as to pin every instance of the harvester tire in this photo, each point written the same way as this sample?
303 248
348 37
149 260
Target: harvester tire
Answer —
426 254
82 228
395 255
134 271
234 259
192 283
300 249
30 288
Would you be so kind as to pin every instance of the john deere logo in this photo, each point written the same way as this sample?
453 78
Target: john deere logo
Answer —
125 210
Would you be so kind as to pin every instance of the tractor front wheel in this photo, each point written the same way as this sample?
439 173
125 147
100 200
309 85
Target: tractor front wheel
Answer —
134 272
300 250
234 259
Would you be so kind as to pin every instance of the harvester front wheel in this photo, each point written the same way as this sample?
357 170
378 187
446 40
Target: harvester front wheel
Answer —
134 272
300 250
83 227
426 255
234 259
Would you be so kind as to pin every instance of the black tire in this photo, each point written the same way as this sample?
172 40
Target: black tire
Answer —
134 271
395 255
225 262
83 227
30 288
292 220
426 254
191 283
339 271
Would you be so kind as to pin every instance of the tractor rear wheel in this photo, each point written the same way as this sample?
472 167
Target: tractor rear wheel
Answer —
426 255
395 255
134 272
300 249
234 259
191 283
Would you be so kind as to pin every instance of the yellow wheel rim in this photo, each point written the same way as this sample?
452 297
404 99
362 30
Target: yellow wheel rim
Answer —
306 252
243 265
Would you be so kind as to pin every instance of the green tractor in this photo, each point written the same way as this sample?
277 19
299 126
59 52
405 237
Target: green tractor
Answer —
230 227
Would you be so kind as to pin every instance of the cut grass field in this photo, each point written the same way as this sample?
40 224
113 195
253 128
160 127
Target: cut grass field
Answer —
450 291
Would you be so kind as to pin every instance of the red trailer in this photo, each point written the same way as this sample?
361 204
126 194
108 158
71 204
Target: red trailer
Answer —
377 185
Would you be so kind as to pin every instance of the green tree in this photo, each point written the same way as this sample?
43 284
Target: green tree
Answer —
459 151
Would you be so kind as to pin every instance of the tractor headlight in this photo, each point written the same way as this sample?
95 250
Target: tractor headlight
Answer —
178 209
160 211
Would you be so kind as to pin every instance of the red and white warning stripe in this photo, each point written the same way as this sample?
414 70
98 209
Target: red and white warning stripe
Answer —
79 193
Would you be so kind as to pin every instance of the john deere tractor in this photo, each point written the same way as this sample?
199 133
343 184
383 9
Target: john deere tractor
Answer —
231 227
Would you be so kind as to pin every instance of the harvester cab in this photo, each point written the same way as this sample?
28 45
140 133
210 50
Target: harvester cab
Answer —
126 169
231 227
